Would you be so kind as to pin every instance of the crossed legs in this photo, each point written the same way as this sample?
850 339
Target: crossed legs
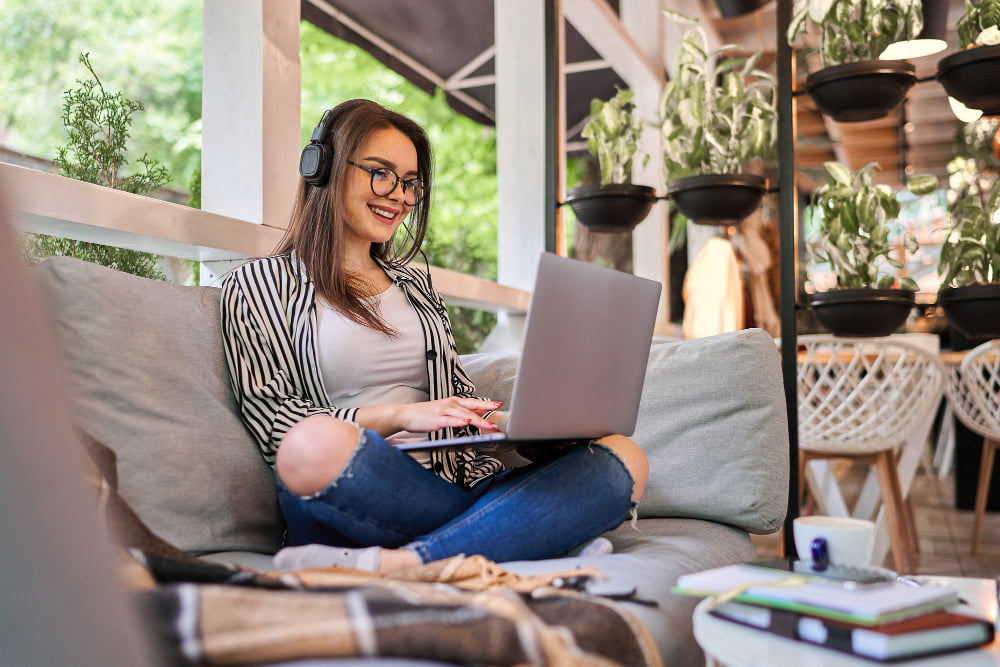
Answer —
320 465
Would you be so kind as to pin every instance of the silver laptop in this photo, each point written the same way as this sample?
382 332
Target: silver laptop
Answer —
586 347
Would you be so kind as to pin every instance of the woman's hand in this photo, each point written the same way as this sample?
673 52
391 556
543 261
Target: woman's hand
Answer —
454 412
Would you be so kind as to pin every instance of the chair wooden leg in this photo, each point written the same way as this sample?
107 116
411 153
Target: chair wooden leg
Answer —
892 500
911 520
983 490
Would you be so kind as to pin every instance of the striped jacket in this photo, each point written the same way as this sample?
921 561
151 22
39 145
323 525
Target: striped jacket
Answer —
269 332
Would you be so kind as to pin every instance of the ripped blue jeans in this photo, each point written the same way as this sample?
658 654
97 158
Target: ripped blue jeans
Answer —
385 498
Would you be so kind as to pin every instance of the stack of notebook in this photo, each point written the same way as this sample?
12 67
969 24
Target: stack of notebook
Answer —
881 620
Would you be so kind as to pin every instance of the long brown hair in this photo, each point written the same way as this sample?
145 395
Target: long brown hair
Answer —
315 228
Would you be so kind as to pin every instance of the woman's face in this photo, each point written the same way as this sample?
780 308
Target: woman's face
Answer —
372 218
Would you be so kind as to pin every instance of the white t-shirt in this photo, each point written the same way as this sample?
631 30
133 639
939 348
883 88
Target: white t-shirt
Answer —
361 366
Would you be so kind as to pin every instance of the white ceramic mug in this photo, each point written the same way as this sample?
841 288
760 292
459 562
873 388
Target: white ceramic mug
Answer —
848 541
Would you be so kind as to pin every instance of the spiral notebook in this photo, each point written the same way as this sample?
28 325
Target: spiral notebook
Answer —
583 363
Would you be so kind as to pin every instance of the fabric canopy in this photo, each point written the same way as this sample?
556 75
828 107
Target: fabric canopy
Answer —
449 44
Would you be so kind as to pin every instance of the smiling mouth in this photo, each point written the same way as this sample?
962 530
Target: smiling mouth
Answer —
385 214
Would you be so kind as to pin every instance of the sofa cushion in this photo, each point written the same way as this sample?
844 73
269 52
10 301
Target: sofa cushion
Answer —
147 377
712 422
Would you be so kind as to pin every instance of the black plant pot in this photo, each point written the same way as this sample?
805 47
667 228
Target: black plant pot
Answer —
861 91
972 77
864 312
616 207
718 199
733 8
973 309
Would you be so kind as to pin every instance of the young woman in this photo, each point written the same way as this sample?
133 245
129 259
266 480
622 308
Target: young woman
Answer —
338 348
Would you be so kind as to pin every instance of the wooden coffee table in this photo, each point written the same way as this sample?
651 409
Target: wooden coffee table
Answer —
730 644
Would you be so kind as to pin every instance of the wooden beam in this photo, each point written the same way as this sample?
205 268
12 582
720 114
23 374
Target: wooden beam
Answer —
597 22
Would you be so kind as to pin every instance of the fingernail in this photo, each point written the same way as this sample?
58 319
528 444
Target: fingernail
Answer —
497 403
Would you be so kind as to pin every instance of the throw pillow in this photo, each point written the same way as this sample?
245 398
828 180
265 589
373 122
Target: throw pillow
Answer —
147 377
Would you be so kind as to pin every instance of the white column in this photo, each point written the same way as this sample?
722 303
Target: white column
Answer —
632 44
521 138
250 108
643 21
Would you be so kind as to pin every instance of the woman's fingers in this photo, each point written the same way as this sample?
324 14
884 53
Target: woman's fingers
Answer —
448 412
476 405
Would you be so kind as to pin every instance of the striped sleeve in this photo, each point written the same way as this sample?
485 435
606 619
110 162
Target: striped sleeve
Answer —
265 346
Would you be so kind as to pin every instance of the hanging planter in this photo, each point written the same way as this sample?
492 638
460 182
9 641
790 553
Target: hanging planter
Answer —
732 8
615 207
854 231
860 91
854 85
973 309
969 262
718 199
972 77
612 135
717 116
862 312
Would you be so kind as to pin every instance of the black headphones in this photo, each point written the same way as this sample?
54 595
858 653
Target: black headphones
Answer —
317 157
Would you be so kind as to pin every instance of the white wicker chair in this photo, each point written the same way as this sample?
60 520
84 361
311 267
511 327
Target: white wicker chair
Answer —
859 399
974 392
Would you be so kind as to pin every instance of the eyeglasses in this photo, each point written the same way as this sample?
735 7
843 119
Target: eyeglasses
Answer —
385 180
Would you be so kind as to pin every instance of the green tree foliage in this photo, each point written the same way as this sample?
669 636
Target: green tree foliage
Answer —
150 50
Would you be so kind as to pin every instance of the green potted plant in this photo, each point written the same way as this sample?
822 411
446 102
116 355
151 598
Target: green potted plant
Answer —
854 84
969 264
856 217
97 123
717 113
612 133
972 75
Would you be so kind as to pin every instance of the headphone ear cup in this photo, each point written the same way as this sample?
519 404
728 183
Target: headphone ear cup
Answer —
315 163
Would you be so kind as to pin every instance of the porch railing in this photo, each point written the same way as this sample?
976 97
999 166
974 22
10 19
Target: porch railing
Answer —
50 204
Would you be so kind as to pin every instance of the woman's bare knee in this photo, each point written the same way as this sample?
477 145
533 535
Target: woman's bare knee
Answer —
634 459
314 452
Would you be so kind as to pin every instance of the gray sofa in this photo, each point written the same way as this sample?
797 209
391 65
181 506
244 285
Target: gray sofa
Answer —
147 377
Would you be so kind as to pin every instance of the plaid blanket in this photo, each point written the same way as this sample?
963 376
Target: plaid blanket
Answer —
225 624
465 610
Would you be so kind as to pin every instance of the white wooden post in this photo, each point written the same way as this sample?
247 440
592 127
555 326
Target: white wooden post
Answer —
250 109
632 46
527 203
643 21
